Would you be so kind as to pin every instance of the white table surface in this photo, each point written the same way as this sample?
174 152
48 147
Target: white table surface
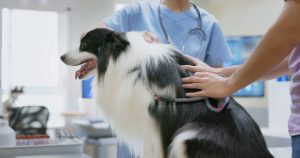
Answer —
284 152
54 156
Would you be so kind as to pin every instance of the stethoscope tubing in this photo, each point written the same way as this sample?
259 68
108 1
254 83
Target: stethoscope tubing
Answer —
192 31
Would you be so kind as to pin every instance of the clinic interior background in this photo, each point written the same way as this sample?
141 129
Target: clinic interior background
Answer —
48 82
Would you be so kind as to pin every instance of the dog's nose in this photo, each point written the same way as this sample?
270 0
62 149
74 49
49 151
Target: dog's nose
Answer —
63 57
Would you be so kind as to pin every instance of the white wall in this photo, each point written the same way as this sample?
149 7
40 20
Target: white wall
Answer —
245 17
1 109
80 16
84 16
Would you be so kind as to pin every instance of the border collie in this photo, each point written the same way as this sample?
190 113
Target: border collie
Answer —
129 75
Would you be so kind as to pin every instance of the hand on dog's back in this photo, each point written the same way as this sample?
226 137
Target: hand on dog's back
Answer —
150 37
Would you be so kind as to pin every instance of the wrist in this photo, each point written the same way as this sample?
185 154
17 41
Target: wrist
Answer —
231 85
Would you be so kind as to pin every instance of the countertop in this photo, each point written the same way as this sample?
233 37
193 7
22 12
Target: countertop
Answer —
54 156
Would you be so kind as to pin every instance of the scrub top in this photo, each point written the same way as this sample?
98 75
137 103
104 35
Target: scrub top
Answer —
144 16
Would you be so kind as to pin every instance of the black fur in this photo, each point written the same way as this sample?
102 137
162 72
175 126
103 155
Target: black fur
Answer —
104 43
231 133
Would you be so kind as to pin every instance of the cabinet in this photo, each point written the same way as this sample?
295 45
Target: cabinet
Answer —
279 103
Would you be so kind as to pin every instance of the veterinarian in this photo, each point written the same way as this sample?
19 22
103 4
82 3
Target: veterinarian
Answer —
179 22
278 53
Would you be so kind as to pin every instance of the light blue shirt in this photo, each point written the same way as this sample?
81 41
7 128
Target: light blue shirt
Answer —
143 16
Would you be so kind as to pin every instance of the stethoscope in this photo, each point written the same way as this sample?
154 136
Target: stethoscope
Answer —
196 30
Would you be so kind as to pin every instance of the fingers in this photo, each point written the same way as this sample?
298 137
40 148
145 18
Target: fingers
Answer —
149 37
194 69
197 94
197 78
191 85
190 68
192 79
195 61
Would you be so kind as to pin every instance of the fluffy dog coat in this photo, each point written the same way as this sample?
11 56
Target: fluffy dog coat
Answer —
130 71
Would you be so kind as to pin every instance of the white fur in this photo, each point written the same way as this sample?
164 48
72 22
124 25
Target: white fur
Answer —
125 103
178 149
123 100
75 58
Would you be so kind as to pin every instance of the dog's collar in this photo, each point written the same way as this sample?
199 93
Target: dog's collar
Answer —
177 100
222 103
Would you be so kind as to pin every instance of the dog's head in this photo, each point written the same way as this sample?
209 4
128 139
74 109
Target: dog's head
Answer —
96 48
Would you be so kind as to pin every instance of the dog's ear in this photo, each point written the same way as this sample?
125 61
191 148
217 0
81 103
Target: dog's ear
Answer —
119 38
118 42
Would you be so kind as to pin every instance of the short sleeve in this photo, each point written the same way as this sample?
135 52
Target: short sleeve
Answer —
217 51
122 19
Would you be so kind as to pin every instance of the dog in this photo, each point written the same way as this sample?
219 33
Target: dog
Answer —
130 77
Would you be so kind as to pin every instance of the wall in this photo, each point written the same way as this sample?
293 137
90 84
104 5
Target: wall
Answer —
79 16
246 17
84 16
1 109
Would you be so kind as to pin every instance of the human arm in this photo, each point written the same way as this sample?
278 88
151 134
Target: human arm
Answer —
276 45
279 70
123 19
200 66
215 75
193 82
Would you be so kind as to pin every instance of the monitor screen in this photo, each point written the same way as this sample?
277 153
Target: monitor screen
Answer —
241 48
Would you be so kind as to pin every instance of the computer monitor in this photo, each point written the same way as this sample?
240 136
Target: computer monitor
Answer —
241 48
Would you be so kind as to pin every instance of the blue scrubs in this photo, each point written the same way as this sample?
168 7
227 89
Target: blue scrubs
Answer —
143 16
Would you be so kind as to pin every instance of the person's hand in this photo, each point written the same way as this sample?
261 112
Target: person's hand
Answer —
150 38
209 84
200 66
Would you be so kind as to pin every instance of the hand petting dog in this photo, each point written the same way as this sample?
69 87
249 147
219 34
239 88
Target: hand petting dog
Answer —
206 79
150 38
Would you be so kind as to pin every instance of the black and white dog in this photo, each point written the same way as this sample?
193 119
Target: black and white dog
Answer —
129 73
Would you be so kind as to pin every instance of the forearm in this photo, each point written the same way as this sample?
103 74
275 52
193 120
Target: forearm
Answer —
279 70
277 44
